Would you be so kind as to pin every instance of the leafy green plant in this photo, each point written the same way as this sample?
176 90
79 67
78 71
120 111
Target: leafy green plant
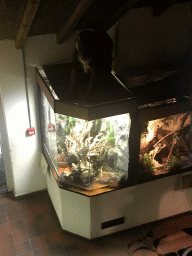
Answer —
63 116
71 122
111 138
144 131
111 134
148 162
96 124
173 162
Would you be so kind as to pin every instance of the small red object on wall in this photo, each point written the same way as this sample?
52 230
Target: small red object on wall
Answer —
51 127
31 131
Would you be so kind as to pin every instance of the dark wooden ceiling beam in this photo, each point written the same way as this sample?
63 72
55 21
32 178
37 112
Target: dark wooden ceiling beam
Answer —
80 11
26 22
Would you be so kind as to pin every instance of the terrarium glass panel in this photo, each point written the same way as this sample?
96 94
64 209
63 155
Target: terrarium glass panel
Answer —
48 130
166 145
91 157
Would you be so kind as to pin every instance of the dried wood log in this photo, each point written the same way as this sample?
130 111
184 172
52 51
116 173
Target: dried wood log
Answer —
174 142
149 146
146 147
160 141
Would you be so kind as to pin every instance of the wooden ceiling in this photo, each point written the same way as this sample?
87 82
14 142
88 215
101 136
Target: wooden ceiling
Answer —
25 18
19 19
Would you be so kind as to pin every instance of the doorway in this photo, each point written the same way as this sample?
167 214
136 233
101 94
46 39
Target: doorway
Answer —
3 180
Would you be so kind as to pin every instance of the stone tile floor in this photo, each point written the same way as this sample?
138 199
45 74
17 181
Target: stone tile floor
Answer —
30 227
3 189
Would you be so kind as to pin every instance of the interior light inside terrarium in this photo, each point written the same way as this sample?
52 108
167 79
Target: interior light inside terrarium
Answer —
166 144
93 154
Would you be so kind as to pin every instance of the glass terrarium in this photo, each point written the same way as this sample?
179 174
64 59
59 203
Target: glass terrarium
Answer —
87 147
166 145
88 156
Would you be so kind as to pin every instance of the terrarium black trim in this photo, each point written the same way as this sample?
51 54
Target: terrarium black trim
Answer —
88 110
166 110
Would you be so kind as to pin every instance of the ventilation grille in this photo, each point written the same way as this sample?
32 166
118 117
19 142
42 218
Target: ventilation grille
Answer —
112 223
186 181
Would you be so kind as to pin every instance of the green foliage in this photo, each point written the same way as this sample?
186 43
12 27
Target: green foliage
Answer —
148 162
71 122
173 162
111 134
144 127
111 138
96 124
176 136
63 116
177 144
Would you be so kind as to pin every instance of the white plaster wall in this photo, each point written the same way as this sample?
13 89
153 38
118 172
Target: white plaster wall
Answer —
44 50
26 172
22 154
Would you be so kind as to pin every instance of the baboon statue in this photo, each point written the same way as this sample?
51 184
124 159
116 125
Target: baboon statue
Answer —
93 53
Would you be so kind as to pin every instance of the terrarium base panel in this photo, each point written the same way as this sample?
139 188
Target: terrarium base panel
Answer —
91 192
93 189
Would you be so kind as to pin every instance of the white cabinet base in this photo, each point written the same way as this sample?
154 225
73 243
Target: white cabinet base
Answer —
107 213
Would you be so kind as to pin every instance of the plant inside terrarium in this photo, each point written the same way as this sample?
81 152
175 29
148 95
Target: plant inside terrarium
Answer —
94 152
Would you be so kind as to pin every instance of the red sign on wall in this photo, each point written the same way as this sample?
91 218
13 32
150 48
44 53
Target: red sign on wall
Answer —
31 131
51 127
